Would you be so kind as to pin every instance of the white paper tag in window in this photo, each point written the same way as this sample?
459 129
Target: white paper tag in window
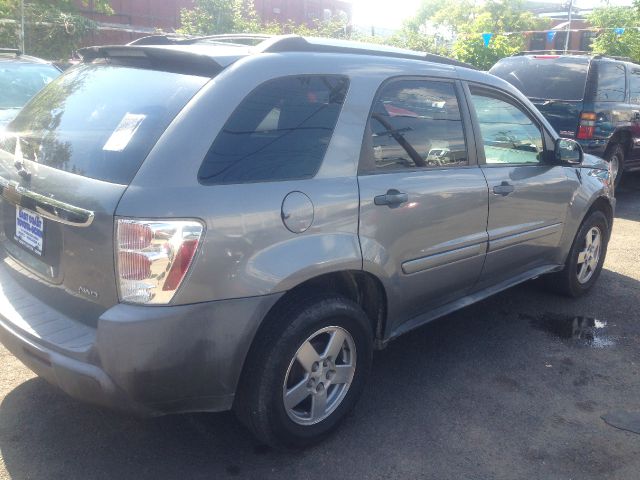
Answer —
124 132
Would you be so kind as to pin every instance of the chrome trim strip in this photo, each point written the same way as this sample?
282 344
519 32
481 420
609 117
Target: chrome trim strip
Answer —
518 238
444 258
49 208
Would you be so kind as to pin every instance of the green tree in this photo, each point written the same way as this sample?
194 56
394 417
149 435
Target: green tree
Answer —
471 49
211 17
53 28
467 20
610 43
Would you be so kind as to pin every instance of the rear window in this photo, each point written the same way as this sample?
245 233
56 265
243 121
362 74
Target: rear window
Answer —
21 81
280 131
551 78
99 120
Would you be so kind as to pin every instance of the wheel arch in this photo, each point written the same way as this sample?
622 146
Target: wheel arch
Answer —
621 137
361 287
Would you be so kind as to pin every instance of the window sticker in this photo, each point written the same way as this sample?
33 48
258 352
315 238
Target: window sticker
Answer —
124 132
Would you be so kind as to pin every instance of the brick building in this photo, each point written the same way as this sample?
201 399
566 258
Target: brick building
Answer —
580 37
137 18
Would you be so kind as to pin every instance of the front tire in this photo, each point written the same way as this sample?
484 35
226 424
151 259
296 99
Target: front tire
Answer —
585 260
306 371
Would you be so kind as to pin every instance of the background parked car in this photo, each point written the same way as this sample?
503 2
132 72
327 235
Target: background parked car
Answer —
21 77
593 99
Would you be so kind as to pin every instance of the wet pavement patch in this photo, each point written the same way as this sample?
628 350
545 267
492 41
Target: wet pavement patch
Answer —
624 420
576 329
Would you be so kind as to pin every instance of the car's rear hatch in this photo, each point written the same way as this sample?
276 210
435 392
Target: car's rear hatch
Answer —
554 83
65 162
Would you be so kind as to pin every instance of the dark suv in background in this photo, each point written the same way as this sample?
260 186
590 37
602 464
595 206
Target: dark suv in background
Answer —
594 99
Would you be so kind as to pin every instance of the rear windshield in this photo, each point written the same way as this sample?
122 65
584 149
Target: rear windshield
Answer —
549 78
99 120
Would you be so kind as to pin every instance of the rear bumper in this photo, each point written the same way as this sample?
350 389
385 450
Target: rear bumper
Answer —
143 360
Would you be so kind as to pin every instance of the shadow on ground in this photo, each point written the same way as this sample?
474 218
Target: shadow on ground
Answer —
483 393
628 196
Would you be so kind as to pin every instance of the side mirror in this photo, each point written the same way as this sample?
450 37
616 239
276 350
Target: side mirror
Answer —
568 151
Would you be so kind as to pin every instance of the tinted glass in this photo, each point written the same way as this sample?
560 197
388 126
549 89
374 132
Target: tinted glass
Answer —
280 131
21 81
634 85
508 134
559 78
415 124
99 121
611 82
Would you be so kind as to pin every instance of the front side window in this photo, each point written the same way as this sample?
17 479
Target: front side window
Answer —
415 124
611 82
508 133
280 131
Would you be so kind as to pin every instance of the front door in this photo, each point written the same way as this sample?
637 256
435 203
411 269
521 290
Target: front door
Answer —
529 193
423 200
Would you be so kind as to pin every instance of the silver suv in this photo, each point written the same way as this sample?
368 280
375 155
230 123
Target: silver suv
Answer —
206 224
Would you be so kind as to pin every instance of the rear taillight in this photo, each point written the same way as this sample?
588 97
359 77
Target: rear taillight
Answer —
587 126
154 257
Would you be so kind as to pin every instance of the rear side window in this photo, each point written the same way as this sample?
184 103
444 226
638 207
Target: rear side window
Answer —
611 82
98 120
280 131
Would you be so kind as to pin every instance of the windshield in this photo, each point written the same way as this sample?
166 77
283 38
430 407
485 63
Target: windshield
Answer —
21 81
99 120
545 77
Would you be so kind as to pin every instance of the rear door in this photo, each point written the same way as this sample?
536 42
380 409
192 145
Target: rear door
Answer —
423 199
529 194
65 162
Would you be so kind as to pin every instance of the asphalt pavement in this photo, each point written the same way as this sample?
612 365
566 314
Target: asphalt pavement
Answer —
515 387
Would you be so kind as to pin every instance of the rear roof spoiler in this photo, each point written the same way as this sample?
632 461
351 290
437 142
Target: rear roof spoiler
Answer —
156 57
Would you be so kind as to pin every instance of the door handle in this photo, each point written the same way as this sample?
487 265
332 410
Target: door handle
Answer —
392 198
504 189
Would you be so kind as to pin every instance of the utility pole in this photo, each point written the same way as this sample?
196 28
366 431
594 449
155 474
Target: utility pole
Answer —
566 40
22 26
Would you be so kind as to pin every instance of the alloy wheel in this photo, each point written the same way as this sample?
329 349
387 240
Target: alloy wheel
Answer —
319 375
589 257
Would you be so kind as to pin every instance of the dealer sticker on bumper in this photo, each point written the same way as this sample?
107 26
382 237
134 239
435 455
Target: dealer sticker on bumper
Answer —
29 230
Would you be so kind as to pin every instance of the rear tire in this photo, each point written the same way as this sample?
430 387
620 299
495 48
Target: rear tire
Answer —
615 157
306 371
586 257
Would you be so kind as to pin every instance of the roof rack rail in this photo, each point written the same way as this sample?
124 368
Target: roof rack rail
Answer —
614 57
240 40
243 39
553 52
12 51
572 52
295 43
161 39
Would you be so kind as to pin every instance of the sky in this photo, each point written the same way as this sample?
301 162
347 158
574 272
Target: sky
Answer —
391 13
